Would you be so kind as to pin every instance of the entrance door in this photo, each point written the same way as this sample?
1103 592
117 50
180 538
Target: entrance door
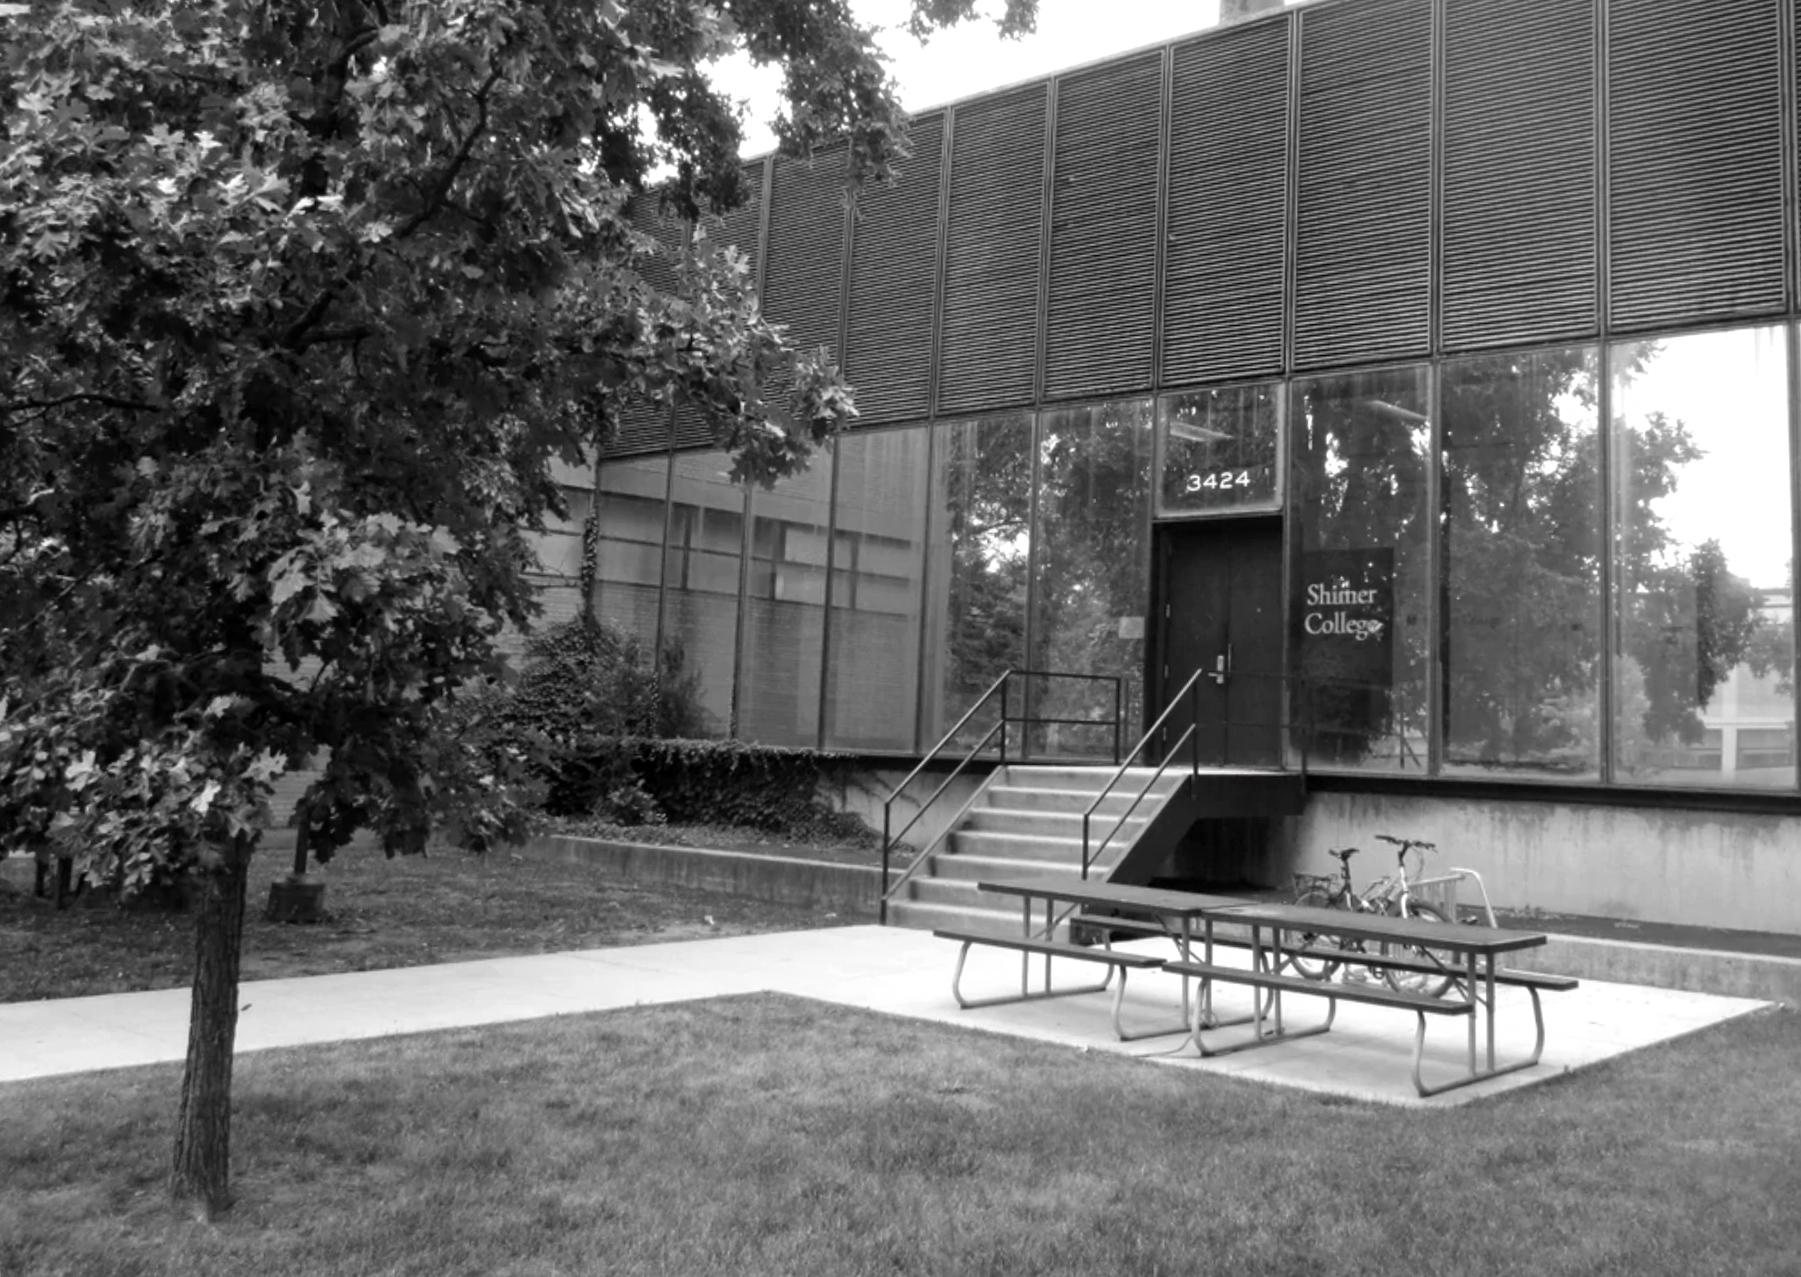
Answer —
1220 588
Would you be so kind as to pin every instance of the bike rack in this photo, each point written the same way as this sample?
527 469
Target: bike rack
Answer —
1440 891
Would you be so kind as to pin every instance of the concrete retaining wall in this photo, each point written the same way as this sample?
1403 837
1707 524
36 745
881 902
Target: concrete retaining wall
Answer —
1705 869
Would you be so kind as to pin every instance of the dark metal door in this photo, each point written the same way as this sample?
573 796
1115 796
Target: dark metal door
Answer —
1221 600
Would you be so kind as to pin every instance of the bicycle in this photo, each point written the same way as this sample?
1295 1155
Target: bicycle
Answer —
1319 957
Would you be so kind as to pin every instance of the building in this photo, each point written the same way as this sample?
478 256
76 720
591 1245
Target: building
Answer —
1424 372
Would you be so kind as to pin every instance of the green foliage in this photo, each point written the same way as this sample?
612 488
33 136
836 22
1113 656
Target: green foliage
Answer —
734 783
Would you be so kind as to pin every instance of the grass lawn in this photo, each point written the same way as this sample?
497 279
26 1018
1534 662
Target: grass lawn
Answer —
444 907
766 1135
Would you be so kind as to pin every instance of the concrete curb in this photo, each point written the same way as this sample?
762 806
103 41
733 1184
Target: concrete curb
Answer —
856 889
1740 975
853 889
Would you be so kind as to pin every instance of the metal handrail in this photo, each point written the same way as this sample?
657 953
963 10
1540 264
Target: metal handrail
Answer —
889 839
1126 764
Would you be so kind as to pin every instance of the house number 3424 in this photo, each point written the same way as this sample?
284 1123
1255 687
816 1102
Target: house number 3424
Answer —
1218 479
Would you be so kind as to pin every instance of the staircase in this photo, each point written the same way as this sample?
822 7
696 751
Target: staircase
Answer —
1027 821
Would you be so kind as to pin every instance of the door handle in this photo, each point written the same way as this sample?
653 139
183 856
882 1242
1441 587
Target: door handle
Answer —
1222 666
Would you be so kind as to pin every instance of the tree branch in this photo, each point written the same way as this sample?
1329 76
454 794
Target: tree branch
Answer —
440 195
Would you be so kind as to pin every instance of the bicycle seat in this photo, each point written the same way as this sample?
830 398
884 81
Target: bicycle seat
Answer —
1344 855
1419 843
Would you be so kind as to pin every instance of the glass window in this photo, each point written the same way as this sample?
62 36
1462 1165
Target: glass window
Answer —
980 537
629 501
1702 571
1219 450
1359 642
1521 519
878 565
701 566
1091 576
784 608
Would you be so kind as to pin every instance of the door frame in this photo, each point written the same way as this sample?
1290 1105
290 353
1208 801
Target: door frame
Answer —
1164 532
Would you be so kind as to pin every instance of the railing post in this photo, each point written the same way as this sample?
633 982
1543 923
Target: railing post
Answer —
1119 713
1006 681
882 904
1085 845
1194 737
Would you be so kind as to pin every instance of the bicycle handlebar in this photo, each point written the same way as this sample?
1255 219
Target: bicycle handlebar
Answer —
1407 844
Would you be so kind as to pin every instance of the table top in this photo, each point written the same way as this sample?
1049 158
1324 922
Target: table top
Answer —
1112 895
1374 926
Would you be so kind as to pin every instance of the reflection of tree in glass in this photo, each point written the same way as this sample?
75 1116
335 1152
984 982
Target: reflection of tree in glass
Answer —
1360 483
1094 485
987 508
1522 547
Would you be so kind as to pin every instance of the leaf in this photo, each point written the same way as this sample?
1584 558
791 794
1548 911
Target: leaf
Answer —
204 799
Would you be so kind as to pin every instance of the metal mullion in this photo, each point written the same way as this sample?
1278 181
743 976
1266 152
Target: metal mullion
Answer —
1793 337
1434 604
1610 621
1435 184
1791 138
920 698
825 621
1029 697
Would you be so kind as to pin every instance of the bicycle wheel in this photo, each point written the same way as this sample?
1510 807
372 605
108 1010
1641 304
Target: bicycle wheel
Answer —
1433 983
1315 957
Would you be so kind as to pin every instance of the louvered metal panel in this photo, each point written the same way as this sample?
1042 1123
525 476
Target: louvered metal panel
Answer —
989 338
1103 266
1520 259
1695 147
1224 263
644 427
741 228
1363 256
893 275
803 281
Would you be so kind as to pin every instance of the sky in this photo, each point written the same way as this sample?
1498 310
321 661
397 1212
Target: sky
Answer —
973 58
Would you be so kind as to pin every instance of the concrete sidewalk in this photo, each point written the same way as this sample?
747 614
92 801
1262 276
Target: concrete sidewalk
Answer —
1367 1055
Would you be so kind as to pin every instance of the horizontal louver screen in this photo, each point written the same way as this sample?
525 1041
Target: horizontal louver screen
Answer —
1103 271
1363 268
803 282
988 346
644 427
1695 161
1228 206
742 229
894 272
1519 258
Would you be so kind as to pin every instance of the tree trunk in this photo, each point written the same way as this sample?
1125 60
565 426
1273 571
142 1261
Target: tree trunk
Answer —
202 1170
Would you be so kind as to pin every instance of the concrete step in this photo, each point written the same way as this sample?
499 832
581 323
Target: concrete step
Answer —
1084 779
927 915
989 842
975 867
1050 824
1076 801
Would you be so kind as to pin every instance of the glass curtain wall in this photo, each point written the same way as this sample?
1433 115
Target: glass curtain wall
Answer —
1360 641
978 555
1521 553
701 566
784 608
1703 671
629 505
1091 576
1221 450
878 566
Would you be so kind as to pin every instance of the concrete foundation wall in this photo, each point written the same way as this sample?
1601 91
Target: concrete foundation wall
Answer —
1698 868
863 795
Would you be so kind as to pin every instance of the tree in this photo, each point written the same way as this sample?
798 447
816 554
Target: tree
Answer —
299 303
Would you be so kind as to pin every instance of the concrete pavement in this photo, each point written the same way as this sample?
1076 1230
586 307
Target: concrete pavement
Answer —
907 973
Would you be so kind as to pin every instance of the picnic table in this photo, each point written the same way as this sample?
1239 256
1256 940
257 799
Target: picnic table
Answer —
1469 954
1274 934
